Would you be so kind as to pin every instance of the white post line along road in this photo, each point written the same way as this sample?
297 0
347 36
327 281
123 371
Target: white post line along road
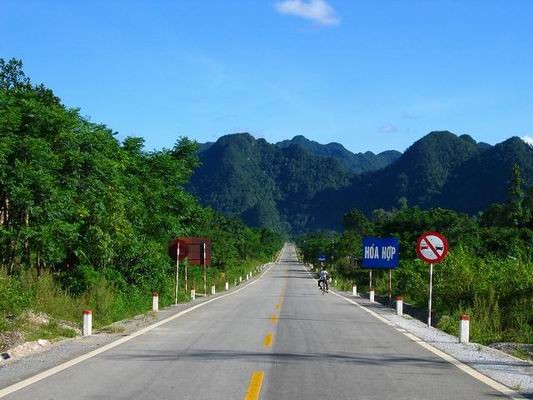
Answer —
279 338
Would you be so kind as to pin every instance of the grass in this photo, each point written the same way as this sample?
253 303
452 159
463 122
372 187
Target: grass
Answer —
113 329
522 354
50 331
495 292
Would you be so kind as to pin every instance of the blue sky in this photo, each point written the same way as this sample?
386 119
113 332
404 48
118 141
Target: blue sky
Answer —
372 75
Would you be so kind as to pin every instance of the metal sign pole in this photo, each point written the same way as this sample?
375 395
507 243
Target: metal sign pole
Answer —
430 292
205 270
390 286
177 271
186 278
370 286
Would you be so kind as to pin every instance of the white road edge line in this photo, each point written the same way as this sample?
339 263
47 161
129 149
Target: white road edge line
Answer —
45 374
462 366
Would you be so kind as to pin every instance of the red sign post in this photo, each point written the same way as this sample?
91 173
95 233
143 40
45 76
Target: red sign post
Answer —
197 250
178 250
431 248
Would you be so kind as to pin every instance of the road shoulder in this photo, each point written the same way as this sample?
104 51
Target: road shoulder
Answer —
14 371
514 374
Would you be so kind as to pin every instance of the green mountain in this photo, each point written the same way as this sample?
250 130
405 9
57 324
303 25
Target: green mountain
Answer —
264 184
357 163
439 170
484 179
300 185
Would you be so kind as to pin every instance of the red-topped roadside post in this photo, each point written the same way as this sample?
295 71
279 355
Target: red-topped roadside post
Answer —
464 328
399 305
87 329
155 301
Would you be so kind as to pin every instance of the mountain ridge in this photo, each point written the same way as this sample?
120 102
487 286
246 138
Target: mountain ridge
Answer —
295 188
354 162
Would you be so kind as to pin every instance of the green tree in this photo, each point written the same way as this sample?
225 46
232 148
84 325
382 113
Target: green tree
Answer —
516 196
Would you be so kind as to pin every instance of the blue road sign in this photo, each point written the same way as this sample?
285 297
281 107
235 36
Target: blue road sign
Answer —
321 258
380 253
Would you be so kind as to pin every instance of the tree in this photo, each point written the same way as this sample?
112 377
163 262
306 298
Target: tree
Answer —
356 221
516 196
12 76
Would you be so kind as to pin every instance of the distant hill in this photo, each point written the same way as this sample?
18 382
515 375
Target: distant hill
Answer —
357 163
264 184
439 170
484 178
300 185
204 146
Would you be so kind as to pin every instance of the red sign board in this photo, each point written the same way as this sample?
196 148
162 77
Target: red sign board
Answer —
173 249
432 247
196 249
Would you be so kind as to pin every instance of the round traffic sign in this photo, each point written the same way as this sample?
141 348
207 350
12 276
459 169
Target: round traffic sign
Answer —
432 247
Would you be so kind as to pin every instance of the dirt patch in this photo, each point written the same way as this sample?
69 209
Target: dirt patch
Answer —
36 318
128 326
10 339
28 348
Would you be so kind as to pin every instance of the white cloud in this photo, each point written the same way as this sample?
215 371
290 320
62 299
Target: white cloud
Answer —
315 10
387 128
528 139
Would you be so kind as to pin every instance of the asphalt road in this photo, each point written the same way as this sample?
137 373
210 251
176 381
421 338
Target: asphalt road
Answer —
279 338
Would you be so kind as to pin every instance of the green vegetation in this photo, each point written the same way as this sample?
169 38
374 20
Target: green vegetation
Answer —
523 354
487 274
356 163
265 185
85 219
301 186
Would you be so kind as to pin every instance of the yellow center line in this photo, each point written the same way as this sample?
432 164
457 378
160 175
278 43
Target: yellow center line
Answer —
274 319
267 341
278 306
254 388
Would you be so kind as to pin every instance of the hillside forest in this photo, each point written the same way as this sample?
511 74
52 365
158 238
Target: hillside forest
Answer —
298 186
85 219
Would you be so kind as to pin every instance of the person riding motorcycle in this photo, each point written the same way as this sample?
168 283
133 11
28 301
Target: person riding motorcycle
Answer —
323 278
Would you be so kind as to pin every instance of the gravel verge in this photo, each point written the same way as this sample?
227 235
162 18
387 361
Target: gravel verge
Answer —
512 372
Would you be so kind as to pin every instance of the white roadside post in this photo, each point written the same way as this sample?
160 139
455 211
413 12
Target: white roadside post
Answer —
240 279
354 290
155 301
399 305
464 328
193 294
227 286
371 295
87 323
213 289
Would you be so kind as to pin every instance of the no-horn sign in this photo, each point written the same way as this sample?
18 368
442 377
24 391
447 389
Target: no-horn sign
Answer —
432 247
